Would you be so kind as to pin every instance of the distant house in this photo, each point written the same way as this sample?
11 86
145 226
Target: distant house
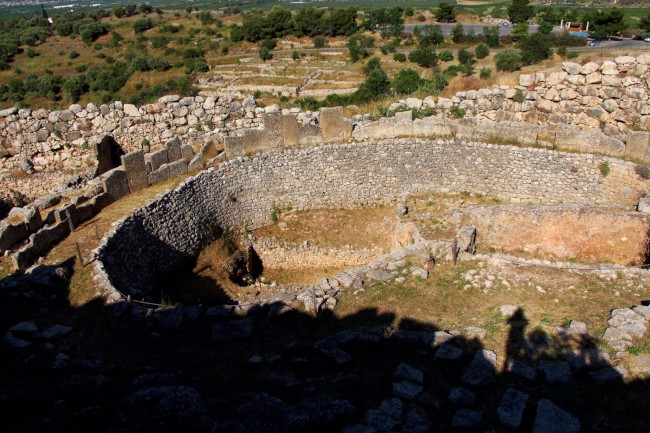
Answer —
576 29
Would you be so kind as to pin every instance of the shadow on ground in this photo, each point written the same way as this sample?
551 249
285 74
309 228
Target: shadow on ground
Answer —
123 368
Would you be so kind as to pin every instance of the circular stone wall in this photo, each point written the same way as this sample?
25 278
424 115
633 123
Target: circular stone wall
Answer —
176 225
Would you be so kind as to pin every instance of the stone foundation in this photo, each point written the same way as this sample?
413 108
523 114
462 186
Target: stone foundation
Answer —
174 227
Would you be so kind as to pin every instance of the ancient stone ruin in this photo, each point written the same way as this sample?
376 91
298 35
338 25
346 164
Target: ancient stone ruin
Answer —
573 150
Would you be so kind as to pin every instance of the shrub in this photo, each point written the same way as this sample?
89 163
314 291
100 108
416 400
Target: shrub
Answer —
158 64
446 56
485 73
424 57
482 51
452 71
519 97
73 54
319 41
535 48
465 57
372 64
604 168
192 53
399 57
643 171
295 55
196 65
468 69
507 60
142 24
407 81
257 94
265 54
269 43
457 112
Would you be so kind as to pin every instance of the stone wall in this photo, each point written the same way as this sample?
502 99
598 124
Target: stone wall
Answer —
594 234
612 96
138 171
275 253
601 108
176 225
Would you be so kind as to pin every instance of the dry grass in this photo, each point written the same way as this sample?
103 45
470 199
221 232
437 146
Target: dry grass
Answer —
359 227
549 298
269 81
88 235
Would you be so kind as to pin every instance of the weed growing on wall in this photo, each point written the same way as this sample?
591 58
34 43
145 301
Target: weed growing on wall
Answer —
519 97
604 168
458 112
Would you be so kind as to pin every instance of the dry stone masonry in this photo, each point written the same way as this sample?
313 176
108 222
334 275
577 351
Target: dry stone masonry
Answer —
244 191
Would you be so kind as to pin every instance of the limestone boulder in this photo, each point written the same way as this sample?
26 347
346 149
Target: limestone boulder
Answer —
131 110
589 68
571 68
526 80
414 103
609 68
643 59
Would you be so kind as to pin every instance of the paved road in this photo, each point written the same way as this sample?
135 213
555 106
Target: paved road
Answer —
623 44
478 28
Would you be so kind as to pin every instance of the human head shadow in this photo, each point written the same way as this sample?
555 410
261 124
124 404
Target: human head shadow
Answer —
126 373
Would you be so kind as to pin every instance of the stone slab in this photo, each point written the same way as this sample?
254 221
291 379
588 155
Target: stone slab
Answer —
234 146
177 168
115 183
291 130
332 124
136 171
173 148
156 159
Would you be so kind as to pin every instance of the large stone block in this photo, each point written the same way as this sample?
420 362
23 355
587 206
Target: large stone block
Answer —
638 143
40 243
403 128
310 135
404 115
332 124
422 128
177 168
136 171
155 160
159 175
196 164
115 183
256 141
68 212
174 150
11 234
100 201
29 215
234 146
273 124
187 152
291 130
85 212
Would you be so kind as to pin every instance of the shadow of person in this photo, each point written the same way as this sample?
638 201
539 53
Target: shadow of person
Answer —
517 343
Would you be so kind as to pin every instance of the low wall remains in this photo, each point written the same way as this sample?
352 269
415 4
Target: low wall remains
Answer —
591 234
175 226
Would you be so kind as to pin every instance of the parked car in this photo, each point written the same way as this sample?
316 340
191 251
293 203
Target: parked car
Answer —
647 39
505 24
594 43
